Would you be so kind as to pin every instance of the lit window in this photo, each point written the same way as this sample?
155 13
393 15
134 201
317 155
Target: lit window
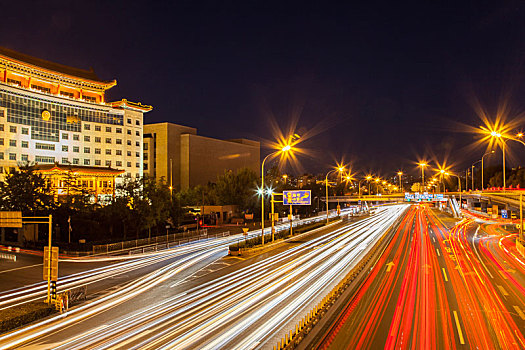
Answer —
86 161
65 148
25 144
118 152
87 150
108 162
25 131
76 137
25 157
44 159
119 163
65 136
12 156
97 150
76 149
87 138
97 162
65 160
87 127
45 146
12 143
75 161
108 151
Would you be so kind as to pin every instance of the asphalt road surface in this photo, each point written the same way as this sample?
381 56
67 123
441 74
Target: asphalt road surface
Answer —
438 287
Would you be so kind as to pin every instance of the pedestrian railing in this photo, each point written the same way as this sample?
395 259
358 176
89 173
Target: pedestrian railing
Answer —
166 240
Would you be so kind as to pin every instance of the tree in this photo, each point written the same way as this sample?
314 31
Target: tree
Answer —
27 191
238 189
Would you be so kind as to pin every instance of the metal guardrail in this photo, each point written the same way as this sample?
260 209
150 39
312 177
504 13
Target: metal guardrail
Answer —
143 242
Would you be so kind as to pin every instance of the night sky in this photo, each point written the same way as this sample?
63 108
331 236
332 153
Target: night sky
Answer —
383 83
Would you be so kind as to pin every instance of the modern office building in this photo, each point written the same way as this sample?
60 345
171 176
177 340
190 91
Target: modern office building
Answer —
57 115
184 159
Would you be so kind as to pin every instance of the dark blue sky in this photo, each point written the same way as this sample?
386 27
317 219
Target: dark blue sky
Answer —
388 82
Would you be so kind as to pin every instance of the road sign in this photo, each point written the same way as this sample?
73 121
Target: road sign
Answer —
245 230
51 259
504 214
300 197
11 219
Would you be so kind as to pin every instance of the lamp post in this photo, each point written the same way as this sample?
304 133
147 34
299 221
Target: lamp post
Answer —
400 173
423 165
368 178
377 180
285 149
459 186
482 180
340 169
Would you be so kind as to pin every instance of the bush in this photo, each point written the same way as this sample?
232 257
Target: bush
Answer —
15 317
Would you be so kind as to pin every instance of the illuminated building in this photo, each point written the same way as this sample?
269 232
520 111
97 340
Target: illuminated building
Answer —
184 159
57 115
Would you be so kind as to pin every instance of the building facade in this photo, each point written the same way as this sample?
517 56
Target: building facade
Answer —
55 114
184 159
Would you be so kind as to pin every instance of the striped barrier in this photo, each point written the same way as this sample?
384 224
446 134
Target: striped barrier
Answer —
8 256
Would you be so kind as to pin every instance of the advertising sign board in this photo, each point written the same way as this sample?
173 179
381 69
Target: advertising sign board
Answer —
299 197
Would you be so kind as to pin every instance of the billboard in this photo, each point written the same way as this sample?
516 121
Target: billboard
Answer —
299 197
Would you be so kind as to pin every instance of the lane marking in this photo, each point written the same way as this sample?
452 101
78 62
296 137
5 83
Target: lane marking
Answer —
520 313
434 239
477 253
458 326
445 274
20 268
503 291
437 250
389 266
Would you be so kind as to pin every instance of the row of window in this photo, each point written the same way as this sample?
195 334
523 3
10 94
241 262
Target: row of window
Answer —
76 149
76 161
51 147
76 137
108 129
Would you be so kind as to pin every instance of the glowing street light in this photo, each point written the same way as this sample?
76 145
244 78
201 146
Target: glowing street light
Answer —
284 149
340 169
400 173
422 165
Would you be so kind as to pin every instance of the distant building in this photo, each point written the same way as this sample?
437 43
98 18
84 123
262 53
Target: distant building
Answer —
185 159
57 115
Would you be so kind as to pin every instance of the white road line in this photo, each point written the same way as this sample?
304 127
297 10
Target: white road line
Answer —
503 291
520 313
445 274
438 253
20 268
458 326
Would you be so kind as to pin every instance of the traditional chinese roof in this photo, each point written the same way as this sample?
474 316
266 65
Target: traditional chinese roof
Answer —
79 169
18 61
137 106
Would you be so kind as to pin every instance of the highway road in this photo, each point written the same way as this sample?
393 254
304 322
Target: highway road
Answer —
437 286
102 274
233 303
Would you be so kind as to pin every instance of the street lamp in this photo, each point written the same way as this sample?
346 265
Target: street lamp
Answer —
377 180
482 167
284 149
422 165
285 177
340 169
459 186
369 178
400 173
